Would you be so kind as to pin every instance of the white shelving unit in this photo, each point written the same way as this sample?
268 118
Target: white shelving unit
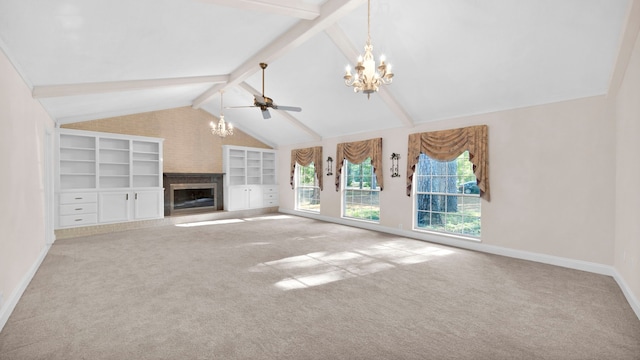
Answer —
250 178
106 178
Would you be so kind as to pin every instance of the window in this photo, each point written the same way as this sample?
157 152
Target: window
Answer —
361 198
447 196
307 188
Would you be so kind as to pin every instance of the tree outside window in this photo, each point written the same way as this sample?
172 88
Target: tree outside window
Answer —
361 199
307 188
447 196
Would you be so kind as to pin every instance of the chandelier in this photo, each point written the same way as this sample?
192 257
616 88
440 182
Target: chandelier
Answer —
222 129
366 78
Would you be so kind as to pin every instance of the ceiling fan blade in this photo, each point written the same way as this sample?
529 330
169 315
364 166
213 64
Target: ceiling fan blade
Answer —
239 107
287 108
266 114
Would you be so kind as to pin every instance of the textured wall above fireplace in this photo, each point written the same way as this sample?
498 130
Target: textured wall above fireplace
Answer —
191 178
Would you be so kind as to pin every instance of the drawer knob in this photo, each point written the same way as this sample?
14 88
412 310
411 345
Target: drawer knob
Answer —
78 208
78 198
78 220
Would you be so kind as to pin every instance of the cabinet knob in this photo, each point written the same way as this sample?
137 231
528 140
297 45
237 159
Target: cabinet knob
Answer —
78 208
127 197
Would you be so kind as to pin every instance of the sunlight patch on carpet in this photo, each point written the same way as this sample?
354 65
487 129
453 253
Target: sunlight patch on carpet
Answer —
319 268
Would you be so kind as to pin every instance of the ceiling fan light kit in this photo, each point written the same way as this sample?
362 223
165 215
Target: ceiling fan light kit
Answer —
367 77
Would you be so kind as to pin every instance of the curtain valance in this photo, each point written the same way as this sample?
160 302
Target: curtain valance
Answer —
357 152
305 157
447 145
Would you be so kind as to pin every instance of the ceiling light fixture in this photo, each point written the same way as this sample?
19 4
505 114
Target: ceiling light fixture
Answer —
366 78
222 129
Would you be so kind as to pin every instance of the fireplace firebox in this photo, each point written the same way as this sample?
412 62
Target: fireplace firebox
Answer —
191 197
192 193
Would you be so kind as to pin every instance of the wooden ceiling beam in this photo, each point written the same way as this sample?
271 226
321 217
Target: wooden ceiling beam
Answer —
330 12
47 91
292 8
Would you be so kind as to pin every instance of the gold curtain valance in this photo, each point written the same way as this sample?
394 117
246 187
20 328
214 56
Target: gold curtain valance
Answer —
305 157
357 152
447 145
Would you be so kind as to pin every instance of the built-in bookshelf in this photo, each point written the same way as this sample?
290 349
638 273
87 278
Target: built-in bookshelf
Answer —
236 166
248 173
102 177
77 166
114 163
146 164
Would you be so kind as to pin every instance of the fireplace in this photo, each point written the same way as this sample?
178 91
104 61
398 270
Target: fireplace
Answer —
192 197
192 193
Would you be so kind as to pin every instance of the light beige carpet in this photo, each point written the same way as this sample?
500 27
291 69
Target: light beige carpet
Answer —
283 287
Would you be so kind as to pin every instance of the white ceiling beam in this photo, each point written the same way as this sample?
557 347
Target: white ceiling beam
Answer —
330 12
292 119
292 8
349 50
48 91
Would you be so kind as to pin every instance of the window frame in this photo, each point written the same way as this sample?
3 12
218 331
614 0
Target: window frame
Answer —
474 199
315 188
371 190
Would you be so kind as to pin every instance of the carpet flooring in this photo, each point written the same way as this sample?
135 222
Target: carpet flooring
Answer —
285 287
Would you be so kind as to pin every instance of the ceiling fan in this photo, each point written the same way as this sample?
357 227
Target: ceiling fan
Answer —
264 103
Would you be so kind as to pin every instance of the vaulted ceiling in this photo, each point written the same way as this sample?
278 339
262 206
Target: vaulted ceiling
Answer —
92 59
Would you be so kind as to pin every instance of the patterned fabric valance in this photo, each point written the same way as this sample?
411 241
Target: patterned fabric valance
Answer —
305 157
447 145
357 152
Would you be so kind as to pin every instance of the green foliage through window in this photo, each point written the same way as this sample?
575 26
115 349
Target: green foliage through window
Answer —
307 189
361 191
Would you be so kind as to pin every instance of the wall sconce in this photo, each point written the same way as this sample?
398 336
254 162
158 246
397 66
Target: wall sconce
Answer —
329 166
394 165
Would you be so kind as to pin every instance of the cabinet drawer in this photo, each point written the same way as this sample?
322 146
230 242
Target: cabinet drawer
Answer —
268 203
78 219
78 198
71 209
270 196
270 189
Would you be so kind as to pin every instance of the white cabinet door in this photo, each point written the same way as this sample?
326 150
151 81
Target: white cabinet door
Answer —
149 204
255 197
114 206
238 198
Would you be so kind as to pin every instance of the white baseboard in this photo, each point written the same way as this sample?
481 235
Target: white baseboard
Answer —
485 248
631 298
12 300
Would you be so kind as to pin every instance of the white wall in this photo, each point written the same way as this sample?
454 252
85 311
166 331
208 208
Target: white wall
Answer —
22 239
627 220
552 175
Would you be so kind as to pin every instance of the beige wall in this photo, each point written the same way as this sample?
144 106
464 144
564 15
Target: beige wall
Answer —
551 175
188 147
22 231
627 220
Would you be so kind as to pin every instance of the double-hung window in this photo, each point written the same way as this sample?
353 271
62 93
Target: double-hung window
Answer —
447 197
307 188
361 193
